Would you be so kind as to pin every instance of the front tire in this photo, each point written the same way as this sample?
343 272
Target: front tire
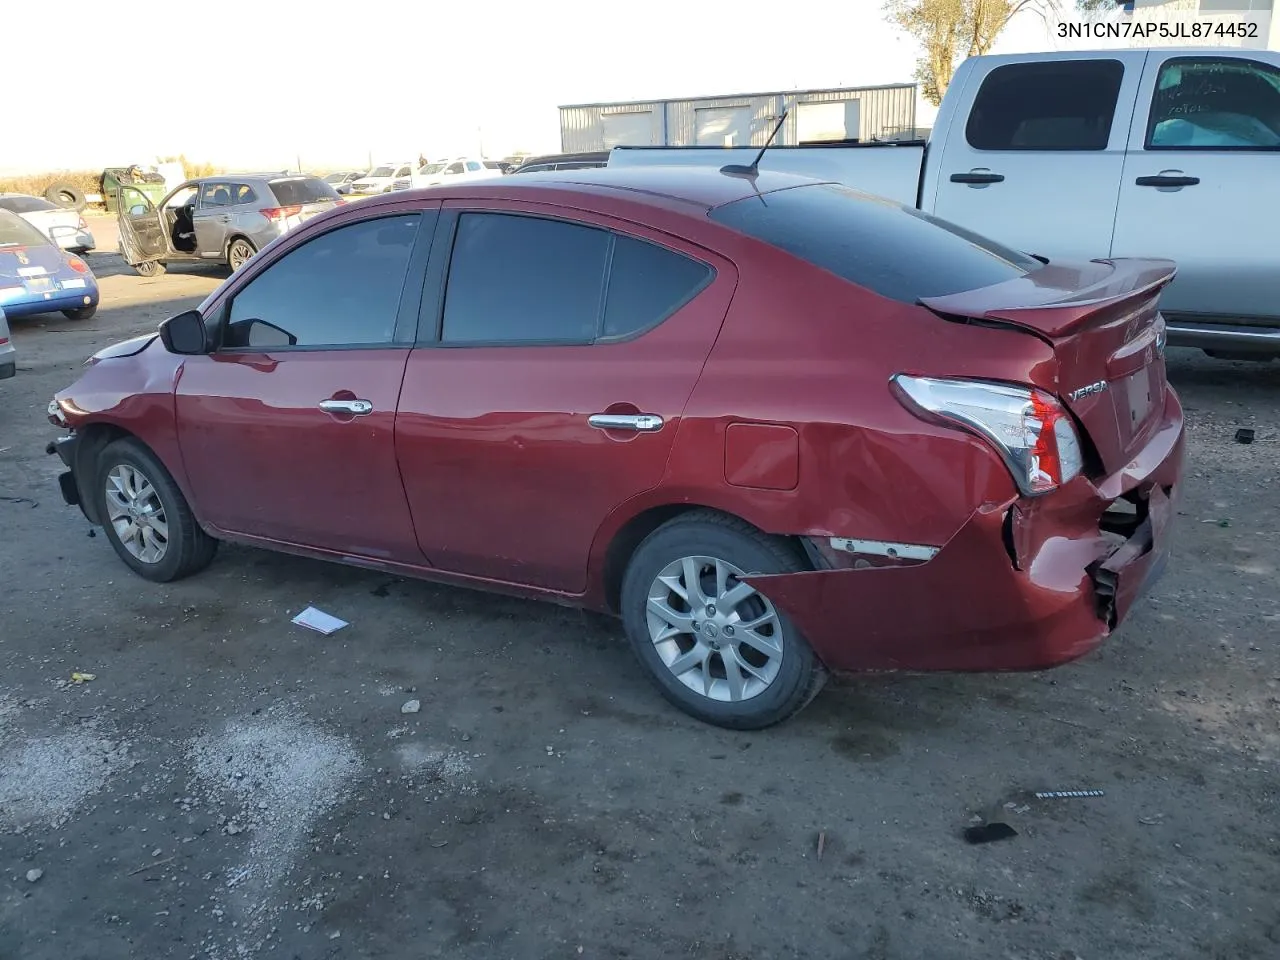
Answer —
238 253
149 268
146 517
83 313
715 647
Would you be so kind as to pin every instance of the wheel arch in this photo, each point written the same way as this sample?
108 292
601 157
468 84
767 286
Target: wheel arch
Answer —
622 545
232 238
94 438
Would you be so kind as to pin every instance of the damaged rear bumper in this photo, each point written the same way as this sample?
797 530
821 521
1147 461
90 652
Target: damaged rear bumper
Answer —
1022 585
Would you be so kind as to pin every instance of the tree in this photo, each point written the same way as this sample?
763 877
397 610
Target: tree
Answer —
952 30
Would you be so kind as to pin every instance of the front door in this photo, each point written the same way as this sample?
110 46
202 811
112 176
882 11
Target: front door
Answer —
287 429
142 232
1201 183
1036 166
567 349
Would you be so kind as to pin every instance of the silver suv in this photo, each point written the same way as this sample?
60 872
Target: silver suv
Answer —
224 219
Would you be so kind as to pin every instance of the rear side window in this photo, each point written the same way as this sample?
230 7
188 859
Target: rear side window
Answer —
892 250
243 193
342 288
1215 103
302 190
647 284
520 279
16 232
1048 105
26 204
514 278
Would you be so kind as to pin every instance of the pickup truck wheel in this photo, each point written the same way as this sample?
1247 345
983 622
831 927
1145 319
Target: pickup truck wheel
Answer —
149 268
146 517
238 253
715 647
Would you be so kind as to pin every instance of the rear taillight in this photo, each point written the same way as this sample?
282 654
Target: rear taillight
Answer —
277 213
1030 430
76 264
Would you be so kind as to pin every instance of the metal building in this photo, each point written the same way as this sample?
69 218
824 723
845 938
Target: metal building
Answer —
844 113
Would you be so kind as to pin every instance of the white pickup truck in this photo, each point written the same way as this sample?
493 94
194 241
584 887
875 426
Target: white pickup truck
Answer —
1163 152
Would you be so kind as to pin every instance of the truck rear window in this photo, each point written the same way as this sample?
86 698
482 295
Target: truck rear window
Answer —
302 190
890 249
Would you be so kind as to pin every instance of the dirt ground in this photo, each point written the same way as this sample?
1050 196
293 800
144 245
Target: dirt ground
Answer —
233 786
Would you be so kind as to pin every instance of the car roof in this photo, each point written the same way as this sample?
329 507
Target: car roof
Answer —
699 188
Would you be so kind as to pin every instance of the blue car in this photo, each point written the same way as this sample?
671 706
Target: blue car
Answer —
38 277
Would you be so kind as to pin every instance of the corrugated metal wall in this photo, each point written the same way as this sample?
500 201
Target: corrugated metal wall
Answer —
597 126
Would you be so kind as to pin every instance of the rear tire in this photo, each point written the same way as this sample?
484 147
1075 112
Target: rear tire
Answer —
146 517
701 654
239 252
149 268
84 313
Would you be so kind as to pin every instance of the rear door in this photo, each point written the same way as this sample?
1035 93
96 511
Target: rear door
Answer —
212 218
549 384
1201 182
1036 164
143 235
287 429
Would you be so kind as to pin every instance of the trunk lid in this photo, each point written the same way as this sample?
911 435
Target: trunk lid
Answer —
1103 322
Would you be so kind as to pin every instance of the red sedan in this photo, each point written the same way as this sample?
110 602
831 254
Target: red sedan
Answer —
778 426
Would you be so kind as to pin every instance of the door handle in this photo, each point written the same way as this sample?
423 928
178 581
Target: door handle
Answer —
357 408
224 219
976 178
640 422
1167 180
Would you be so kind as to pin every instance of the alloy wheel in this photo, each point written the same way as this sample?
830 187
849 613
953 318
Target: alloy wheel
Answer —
136 513
715 633
239 254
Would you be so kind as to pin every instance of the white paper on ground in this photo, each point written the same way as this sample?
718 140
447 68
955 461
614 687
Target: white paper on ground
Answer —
319 621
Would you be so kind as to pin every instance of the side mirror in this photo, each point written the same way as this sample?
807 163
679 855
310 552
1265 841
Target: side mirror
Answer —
137 210
185 334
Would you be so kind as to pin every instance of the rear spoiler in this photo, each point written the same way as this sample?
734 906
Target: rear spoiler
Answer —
1057 299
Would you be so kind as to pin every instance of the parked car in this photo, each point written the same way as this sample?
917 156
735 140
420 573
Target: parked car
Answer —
449 170
342 180
223 219
8 353
563 161
381 178
36 276
64 227
778 426
1161 152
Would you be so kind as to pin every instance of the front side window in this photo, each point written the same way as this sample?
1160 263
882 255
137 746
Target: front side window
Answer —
340 289
473 166
1046 105
1215 103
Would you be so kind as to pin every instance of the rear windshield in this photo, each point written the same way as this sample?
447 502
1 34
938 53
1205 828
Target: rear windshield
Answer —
893 250
303 190
26 204
16 232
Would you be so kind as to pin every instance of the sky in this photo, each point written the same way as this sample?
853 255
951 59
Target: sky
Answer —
269 83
